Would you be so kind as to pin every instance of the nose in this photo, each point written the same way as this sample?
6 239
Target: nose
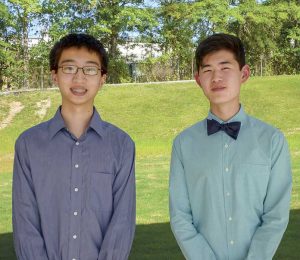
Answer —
79 75
217 76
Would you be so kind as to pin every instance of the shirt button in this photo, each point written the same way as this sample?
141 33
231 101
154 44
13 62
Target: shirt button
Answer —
226 145
73 258
226 169
75 213
74 236
228 193
230 218
76 189
77 143
231 242
76 165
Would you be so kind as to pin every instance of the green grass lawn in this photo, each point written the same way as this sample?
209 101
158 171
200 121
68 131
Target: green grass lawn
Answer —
153 115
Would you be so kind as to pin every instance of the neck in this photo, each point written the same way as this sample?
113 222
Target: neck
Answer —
225 112
76 118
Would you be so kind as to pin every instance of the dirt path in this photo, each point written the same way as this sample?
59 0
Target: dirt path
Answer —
292 131
43 106
14 108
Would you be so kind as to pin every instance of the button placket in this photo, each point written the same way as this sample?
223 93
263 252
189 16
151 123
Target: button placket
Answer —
227 175
76 182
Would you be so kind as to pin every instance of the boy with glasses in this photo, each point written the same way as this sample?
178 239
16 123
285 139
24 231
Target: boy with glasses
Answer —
230 181
73 183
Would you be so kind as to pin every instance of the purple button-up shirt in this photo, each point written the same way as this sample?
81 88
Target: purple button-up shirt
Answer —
73 198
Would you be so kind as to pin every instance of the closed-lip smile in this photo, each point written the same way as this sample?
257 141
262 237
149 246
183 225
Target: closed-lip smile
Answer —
218 88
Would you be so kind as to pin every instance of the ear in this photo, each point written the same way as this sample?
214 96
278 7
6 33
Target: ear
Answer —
245 73
197 78
102 80
54 77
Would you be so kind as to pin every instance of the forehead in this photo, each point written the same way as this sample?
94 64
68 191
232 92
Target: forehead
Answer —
218 57
79 55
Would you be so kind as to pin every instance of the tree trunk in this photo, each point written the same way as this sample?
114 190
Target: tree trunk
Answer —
113 46
25 51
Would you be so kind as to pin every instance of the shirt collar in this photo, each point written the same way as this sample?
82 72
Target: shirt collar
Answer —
57 123
240 116
97 123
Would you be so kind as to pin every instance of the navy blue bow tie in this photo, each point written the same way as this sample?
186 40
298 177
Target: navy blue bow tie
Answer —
232 129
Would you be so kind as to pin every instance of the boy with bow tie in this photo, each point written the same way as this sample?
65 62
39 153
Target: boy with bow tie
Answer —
230 180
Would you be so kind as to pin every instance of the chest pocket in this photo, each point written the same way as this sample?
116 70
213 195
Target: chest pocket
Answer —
100 197
253 179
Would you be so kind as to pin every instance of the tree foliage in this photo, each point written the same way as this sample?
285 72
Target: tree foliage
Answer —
270 30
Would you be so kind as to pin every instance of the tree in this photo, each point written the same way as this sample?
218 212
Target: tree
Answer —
270 30
4 41
111 21
114 22
286 58
24 12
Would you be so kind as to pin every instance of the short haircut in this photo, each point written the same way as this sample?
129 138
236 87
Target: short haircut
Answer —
220 41
79 40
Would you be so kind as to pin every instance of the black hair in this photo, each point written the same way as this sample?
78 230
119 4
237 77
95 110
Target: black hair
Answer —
78 40
220 41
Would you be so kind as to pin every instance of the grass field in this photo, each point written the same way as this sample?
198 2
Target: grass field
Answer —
153 115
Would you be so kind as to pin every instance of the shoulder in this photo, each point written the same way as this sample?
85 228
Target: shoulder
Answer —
34 134
116 134
268 135
196 131
264 129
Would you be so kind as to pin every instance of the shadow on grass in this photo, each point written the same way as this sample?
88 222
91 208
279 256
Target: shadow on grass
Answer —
6 247
156 241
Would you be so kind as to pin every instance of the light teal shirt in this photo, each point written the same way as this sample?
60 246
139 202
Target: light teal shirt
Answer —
229 199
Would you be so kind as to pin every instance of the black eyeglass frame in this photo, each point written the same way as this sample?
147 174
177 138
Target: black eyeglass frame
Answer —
103 71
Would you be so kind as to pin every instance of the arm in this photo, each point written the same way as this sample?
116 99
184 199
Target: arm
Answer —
276 206
192 244
119 236
28 238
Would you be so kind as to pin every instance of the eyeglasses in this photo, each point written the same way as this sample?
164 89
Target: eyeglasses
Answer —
87 70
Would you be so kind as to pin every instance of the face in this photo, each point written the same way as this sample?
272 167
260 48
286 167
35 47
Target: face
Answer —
78 89
220 78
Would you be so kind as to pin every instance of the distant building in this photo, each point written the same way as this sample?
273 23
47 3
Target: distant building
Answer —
135 53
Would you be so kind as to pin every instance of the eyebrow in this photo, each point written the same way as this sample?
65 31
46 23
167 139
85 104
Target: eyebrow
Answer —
220 63
88 62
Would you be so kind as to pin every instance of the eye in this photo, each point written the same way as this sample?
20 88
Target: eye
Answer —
91 70
206 71
69 69
225 68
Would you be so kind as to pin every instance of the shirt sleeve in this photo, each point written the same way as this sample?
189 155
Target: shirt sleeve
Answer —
276 205
192 243
28 238
119 236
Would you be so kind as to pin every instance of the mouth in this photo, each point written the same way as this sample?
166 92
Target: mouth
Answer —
78 91
217 89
